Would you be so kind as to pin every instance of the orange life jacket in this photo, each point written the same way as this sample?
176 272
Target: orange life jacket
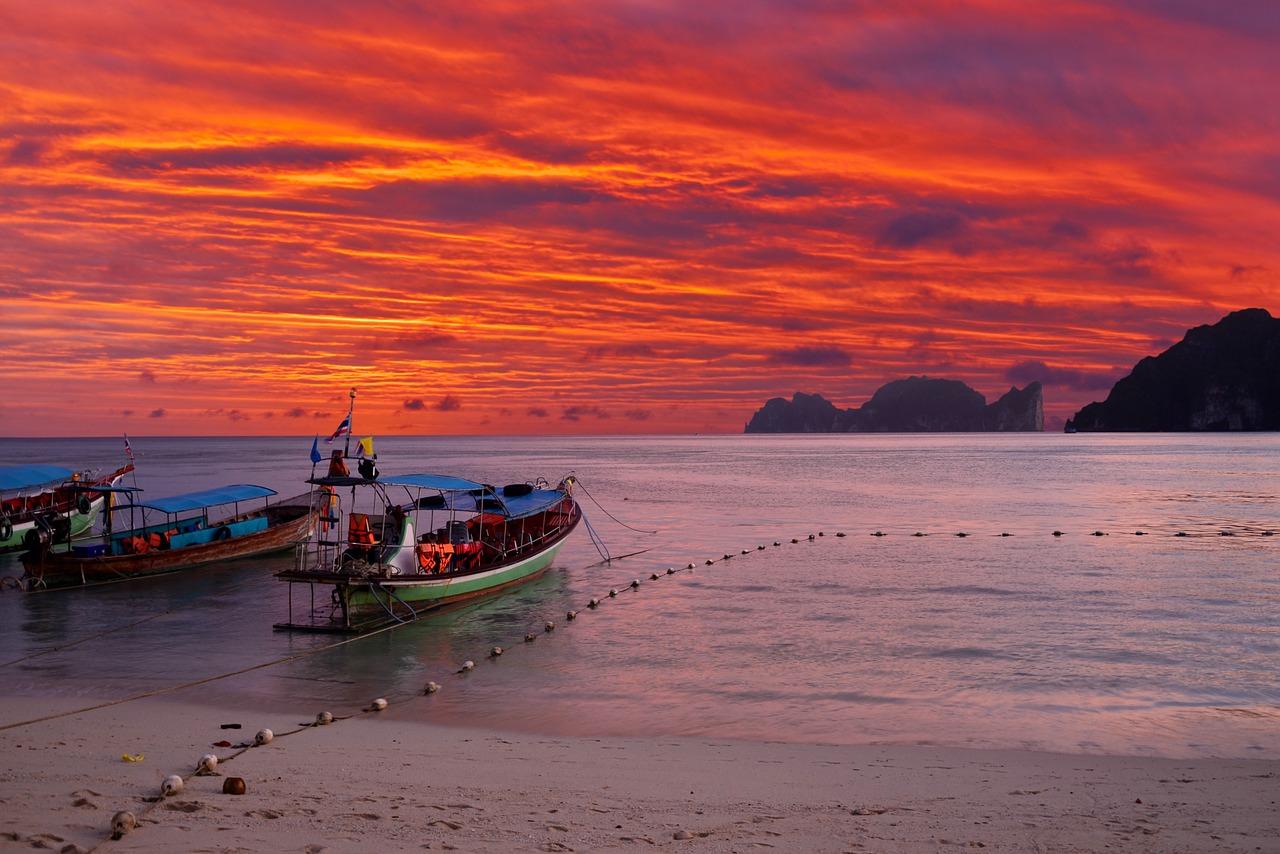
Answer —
360 533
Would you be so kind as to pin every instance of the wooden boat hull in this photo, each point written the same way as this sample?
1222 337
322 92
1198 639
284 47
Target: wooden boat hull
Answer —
357 602
290 528
442 590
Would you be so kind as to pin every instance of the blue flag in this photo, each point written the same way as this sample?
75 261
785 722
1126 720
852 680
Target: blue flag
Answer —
315 450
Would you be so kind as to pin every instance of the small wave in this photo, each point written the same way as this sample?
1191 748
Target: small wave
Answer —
971 589
964 652
856 697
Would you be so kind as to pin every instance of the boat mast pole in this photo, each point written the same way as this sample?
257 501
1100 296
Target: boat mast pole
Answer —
351 425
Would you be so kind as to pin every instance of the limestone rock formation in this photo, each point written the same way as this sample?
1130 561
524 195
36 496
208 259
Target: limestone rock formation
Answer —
911 405
1220 377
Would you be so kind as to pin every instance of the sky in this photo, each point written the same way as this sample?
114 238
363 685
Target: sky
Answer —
613 217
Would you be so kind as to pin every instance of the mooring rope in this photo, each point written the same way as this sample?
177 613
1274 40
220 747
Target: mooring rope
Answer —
204 681
578 485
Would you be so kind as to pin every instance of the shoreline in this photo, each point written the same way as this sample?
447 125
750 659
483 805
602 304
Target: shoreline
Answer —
368 782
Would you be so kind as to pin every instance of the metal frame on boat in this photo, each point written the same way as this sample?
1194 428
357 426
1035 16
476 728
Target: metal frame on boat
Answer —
388 550
174 533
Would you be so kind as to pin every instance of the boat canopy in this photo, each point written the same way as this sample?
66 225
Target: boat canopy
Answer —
442 482
206 498
25 477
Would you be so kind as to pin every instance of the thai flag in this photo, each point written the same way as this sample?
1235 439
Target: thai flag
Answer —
343 429
127 449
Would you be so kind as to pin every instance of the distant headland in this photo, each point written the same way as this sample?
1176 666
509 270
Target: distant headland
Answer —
1220 377
911 405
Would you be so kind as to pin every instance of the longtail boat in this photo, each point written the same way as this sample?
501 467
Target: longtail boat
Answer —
174 533
389 549
61 503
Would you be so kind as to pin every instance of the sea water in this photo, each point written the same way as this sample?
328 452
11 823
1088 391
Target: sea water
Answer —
1100 639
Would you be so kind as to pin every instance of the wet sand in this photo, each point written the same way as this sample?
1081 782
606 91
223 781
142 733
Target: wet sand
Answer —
371 782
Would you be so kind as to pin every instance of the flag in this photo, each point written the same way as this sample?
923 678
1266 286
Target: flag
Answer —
315 450
127 449
366 448
343 429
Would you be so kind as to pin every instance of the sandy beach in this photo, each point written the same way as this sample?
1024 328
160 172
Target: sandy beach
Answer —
370 782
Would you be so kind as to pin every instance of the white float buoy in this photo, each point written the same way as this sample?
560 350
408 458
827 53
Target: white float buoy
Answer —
324 718
635 584
495 652
613 591
264 736
172 785
572 615
530 638
431 688
207 763
122 822
550 626
467 666
378 705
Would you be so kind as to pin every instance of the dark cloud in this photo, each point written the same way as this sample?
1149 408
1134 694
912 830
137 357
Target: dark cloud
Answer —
636 350
1243 271
26 152
1034 370
811 357
637 414
910 230
414 405
270 157
1068 230
157 413
1132 260
428 342
229 414
296 412
479 199
577 413
449 403
147 376
537 412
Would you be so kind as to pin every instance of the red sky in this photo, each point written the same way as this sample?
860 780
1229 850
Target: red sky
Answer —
613 217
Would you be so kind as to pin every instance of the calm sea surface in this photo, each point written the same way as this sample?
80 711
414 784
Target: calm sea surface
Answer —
1155 644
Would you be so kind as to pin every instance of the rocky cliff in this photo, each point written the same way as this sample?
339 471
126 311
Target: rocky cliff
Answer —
912 405
1220 377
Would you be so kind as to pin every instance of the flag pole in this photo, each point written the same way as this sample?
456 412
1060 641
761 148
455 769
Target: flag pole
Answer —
346 445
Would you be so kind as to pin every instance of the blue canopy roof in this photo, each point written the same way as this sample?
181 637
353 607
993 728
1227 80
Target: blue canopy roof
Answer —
432 481
207 498
23 477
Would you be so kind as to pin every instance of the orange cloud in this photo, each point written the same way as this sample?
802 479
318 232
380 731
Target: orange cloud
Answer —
612 217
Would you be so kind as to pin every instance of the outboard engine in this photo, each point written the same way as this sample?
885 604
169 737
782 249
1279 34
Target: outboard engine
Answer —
49 528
